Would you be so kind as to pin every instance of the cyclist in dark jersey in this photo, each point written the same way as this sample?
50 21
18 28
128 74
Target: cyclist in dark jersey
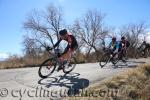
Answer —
72 42
123 46
71 47
144 47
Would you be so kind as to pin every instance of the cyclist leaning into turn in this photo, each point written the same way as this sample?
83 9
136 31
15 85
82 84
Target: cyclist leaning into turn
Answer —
123 46
144 47
71 47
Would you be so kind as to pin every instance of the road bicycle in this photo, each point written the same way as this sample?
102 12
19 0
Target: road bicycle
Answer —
54 62
141 53
108 56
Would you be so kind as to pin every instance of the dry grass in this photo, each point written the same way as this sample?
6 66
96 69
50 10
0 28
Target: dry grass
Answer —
131 85
21 62
31 61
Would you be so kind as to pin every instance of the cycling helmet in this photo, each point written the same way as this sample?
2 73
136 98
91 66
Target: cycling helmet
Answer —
122 38
144 41
63 32
114 39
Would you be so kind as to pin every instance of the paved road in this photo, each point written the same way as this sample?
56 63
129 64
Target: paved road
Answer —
25 84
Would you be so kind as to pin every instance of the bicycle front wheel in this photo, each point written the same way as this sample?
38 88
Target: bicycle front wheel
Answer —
104 60
67 68
47 68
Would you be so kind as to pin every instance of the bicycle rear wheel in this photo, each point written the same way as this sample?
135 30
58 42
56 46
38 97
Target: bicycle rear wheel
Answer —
67 68
47 68
121 56
104 60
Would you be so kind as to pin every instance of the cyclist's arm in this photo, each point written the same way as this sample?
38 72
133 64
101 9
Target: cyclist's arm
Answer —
117 47
109 46
127 44
57 43
66 50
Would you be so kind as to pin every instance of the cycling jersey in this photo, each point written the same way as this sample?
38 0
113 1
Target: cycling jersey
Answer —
72 43
114 46
125 44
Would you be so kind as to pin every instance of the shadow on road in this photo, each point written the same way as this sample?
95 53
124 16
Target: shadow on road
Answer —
127 64
140 62
70 81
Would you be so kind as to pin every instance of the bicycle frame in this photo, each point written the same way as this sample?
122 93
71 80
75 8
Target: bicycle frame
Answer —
55 54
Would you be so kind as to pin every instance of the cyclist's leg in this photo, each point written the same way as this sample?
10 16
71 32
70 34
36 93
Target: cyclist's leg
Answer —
66 56
126 53
120 52
123 55
70 53
112 54
63 55
116 52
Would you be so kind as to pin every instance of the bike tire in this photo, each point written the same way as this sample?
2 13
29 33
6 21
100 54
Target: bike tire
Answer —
121 56
104 60
73 64
44 64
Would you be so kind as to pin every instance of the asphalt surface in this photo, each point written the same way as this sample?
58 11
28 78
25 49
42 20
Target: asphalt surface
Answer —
25 84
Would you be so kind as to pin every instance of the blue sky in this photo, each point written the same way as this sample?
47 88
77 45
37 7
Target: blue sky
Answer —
13 13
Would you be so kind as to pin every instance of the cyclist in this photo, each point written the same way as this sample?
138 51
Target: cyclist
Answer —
71 47
144 47
123 46
114 46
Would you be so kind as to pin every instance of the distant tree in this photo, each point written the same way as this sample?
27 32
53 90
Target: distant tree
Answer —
30 47
90 30
133 33
44 26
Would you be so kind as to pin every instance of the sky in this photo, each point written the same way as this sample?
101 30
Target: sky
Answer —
14 12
